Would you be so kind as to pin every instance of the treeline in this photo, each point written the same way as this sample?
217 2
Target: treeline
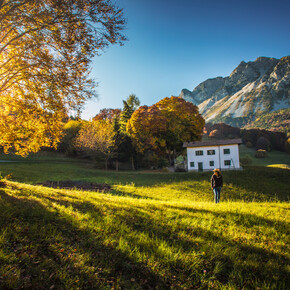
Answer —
134 136
256 138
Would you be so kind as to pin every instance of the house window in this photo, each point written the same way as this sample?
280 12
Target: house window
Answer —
198 152
211 163
227 151
227 162
210 152
191 164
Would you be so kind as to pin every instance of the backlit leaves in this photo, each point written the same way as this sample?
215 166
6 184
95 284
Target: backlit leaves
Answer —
96 138
45 53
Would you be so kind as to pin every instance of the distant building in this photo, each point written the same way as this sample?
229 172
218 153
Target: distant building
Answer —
207 155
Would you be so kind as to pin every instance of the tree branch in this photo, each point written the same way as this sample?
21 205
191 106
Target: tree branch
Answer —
12 8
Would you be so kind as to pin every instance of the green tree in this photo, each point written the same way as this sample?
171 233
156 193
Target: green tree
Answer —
70 132
129 107
46 48
125 143
133 102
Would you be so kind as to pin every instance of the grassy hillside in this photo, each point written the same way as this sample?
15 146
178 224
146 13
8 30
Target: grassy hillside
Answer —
273 158
152 230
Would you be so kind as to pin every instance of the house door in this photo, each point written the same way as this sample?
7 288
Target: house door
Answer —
200 166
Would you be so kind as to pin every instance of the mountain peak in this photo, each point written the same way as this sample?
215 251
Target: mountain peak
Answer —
264 58
252 88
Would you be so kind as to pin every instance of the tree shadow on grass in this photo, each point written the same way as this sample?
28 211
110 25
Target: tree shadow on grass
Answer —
40 244
271 267
216 246
43 249
239 218
129 194
273 183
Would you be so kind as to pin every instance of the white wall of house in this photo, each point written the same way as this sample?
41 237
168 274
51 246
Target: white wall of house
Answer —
215 156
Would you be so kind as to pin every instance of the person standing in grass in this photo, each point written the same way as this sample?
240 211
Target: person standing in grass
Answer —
216 184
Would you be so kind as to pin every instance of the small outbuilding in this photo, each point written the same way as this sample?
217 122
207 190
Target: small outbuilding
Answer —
207 155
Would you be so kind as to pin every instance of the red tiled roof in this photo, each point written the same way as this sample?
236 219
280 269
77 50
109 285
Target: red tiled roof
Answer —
212 143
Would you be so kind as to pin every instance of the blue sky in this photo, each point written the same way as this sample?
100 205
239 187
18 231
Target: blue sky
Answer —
176 44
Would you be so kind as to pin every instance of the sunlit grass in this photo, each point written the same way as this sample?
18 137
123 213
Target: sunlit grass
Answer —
151 230
283 166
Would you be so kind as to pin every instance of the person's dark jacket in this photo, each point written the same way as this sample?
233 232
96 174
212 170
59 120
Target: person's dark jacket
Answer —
216 181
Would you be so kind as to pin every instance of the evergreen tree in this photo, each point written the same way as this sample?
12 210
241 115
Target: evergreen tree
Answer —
129 107
125 146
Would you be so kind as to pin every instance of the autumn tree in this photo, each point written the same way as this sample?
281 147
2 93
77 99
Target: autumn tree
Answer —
222 131
46 48
96 139
164 126
108 114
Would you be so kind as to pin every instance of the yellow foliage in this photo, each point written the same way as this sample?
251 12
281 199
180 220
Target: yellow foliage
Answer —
165 125
96 137
45 52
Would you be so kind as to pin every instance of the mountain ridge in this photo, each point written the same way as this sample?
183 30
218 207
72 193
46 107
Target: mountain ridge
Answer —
252 89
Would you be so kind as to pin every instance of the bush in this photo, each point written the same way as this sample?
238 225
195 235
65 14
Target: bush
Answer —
249 144
247 160
261 153
154 161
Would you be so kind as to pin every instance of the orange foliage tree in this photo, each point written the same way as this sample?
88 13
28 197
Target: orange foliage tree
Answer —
164 126
108 114
46 48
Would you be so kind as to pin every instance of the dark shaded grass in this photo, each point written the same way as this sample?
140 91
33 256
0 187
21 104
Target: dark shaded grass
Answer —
40 246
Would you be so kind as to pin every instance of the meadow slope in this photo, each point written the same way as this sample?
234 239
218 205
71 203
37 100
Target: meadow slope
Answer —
152 230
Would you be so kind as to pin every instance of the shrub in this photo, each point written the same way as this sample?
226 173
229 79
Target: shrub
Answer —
261 153
153 161
247 160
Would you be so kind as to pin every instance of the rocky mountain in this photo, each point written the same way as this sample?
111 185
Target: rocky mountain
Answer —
253 89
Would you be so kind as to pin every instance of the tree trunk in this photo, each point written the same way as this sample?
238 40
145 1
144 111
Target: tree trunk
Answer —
117 165
106 163
174 157
169 159
132 162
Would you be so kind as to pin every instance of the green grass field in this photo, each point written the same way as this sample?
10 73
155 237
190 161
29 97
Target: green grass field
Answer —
280 159
153 230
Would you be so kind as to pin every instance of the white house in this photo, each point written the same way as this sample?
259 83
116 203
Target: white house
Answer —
207 155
